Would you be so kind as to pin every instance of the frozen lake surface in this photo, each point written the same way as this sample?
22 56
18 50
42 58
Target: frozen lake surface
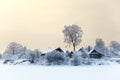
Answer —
22 72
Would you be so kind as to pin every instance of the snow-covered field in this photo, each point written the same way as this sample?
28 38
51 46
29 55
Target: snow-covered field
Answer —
19 72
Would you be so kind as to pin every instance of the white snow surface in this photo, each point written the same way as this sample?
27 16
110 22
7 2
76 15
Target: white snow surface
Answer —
30 72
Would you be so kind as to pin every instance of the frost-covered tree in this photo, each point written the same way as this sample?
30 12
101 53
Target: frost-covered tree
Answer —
115 49
76 59
69 54
34 56
100 46
15 51
0 56
115 45
56 58
72 35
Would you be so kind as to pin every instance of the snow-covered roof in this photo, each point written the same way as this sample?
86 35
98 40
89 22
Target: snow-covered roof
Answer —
49 50
91 51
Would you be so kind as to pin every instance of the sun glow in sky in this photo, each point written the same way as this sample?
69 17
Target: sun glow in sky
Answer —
39 23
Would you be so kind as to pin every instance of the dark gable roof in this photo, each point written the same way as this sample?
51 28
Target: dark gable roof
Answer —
59 49
93 51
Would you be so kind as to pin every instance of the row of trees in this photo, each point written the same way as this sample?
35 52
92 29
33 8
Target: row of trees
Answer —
16 51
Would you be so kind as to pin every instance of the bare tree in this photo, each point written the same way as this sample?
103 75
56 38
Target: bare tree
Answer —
72 35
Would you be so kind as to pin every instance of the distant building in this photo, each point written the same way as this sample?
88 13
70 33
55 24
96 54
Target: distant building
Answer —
51 50
59 49
95 54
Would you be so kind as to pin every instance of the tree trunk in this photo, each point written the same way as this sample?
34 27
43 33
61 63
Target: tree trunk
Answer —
73 47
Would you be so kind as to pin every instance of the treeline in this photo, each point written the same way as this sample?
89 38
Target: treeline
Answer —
16 53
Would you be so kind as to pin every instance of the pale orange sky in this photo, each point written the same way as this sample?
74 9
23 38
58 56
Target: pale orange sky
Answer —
39 23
